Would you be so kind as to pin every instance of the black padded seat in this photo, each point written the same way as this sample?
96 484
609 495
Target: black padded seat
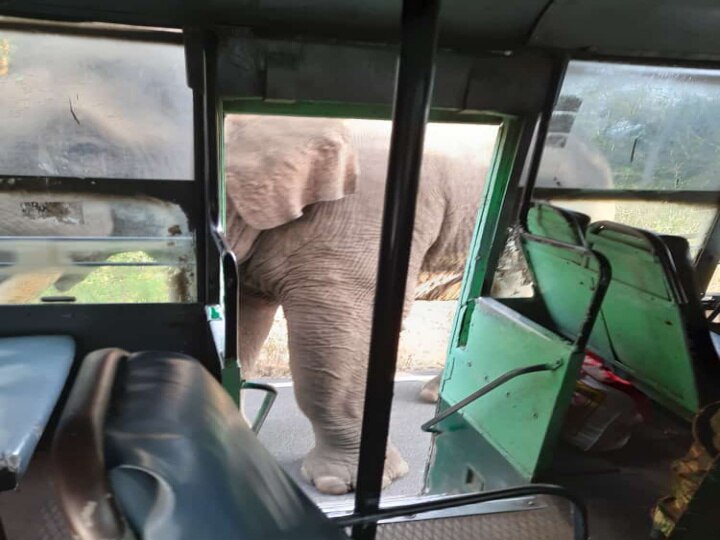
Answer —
151 446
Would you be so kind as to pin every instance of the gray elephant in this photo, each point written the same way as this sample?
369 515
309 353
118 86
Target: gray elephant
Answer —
304 207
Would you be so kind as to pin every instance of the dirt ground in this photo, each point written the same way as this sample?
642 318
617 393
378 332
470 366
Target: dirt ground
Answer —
423 343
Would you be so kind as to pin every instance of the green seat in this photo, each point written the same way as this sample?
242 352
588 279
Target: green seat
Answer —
557 223
565 280
521 419
514 428
655 324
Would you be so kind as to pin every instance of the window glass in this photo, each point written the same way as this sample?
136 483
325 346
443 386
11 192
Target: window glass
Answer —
691 221
77 247
638 145
93 107
655 128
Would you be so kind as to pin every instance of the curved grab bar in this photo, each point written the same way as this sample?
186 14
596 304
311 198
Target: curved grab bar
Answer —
492 385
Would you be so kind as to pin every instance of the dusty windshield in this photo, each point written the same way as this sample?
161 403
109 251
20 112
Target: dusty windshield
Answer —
92 107
88 110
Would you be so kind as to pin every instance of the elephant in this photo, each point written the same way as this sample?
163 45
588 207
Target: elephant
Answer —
304 208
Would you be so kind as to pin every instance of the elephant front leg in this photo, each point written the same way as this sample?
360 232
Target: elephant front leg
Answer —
328 357
430 392
255 319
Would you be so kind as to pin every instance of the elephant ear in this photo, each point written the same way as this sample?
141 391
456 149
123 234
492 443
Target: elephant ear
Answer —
277 166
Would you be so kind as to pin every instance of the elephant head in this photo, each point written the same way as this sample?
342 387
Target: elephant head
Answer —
268 185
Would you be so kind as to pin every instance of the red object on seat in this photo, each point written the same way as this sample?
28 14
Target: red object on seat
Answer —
594 367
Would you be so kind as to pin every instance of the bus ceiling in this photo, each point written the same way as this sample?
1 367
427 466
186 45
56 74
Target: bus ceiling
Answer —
669 29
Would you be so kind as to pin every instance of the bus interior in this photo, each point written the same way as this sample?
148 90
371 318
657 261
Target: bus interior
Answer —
580 396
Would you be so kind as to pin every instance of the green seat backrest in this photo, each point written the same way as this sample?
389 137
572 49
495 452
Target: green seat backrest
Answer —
522 418
557 223
565 279
658 335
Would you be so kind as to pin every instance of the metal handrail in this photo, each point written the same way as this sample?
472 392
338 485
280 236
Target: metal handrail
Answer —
492 385
231 297
270 396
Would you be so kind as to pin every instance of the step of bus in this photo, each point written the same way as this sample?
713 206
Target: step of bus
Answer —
537 517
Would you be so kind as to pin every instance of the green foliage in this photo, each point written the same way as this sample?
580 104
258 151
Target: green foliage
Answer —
689 220
123 284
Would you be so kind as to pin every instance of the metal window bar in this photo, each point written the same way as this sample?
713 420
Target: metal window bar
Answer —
419 29
533 165
212 158
230 296
93 29
200 54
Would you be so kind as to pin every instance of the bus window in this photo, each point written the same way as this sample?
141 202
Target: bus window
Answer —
92 107
652 133
93 249
80 114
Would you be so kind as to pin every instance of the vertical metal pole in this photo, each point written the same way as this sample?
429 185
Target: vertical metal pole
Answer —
212 163
707 258
195 67
411 105
217 249
541 131
201 54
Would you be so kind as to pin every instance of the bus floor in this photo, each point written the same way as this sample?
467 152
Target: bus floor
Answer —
621 487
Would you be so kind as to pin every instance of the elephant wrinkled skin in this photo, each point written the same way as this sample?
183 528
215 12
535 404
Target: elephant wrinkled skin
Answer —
304 209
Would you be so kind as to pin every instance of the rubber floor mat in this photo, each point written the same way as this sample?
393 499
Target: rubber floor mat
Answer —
552 522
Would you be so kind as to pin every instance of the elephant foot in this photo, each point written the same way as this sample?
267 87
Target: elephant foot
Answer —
430 392
335 473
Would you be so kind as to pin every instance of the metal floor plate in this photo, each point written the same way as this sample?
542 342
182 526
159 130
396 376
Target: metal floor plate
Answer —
31 512
552 522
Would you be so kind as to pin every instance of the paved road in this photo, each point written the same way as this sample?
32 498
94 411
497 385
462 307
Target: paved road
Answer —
288 435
